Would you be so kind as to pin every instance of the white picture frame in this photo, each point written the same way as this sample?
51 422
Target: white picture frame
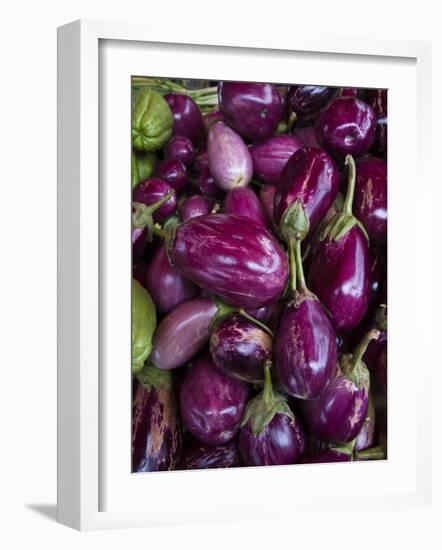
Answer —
96 491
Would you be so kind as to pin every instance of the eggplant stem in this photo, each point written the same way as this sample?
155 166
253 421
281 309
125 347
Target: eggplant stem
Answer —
292 261
302 287
374 453
153 207
348 203
268 388
252 319
361 348
159 231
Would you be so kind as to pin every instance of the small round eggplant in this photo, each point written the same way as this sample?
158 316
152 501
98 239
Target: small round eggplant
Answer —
187 118
156 434
338 414
253 109
180 148
167 286
267 197
150 192
206 184
230 162
201 162
211 403
346 127
271 155
239 348
340 267
370 200
243 201
194 206
270 433
199 456
307 101
174 173
377 99
239 261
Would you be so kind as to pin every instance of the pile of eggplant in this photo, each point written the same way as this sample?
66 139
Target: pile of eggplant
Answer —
259 290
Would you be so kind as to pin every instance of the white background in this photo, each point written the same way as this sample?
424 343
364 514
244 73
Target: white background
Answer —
28 269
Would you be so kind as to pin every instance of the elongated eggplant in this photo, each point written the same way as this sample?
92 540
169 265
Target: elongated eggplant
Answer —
253 109
339 270
307 101
167 286
271 155
267 197
156 434
365 438
211 403
377 99
243 201
240 262
180 148
230 162
194 206
174 173
240 347
338 414
144 322
199 456
187 118
270 433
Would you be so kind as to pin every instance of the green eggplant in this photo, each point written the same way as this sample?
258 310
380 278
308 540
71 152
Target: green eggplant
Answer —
144 322
152 121
142 166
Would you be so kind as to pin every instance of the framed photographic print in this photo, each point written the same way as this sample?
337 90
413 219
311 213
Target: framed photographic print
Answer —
224 253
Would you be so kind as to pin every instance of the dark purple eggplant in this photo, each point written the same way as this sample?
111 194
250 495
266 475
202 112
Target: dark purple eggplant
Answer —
210 118
194 206
269 315
243 201
307 101
187 118
207 186
328 455
346 127
340 267
174 173
370 200
338 414
239 261
167 286
253 109
377 99
150 192
201 162
365 438
156 434
139 270
307 135
270 433
211 403
267 197
199 456
180 148
139 242
239 348
348 92
230 162
271 155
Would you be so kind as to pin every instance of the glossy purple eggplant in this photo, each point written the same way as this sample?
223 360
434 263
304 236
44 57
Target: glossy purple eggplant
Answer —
340 266
187 118
200 456
270 433
194 206
211 403
271 155
269 315
365 438
326 456
307 136
253 109
174 173
377 99
239 348
243 201
230 162
184 332
210 118
370 200
346 127
267 197
338 414
139 243
207 186
180 148
307 101
156 434
152 190
167 286
239 261
201 162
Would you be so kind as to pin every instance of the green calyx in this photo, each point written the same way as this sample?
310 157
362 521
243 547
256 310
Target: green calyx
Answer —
381 318
142 215
294 223
345 448
261 409
152 121
343 221
144 322
150 376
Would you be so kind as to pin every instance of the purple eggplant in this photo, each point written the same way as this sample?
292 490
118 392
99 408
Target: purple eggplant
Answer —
149 192
307 188
307 101
307 136
365 438
239 348
210 118
167 286
271 155
269 315
377 99
156 434
180 148
199 456
267 197
270 433
139 242
340 266
201 162
211 403
239 261
338 414
139 272
346 127
230 162
327 455
184 332
348 92
370 200
251 108
174 173
243 201
194 206
187 118
207 186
